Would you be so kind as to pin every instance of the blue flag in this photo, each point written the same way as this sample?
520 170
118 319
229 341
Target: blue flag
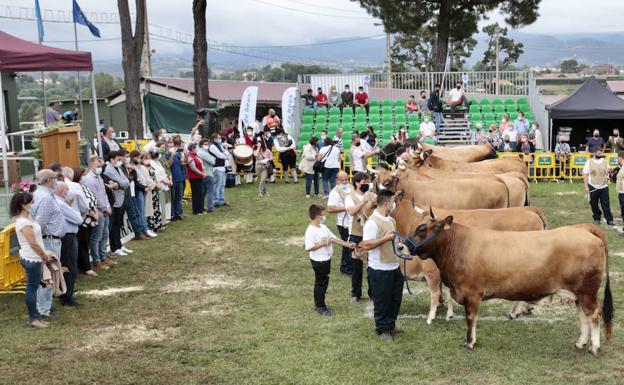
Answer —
39 21
80 18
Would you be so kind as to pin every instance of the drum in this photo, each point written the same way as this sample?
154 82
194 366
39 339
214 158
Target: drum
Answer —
243 154
247 168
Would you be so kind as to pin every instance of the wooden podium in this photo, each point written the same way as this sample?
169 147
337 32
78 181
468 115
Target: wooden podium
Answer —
60 145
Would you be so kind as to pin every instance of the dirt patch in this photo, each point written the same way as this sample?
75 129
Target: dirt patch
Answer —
563 193
618 254
111 291
203 283
297 241
119 336
223 227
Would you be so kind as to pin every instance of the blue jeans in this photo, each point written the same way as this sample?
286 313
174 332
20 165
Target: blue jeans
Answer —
219 187
329 179
33 278
312 178
209 192
177 193
44 294
437 118
139 204
98 239
133 215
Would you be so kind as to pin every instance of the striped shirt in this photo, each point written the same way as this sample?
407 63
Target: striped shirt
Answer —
47 213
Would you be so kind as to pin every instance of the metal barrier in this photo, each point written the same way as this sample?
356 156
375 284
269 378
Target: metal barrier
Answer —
575 168
12 275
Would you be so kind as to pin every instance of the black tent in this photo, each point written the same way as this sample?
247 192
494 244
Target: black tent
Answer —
591 106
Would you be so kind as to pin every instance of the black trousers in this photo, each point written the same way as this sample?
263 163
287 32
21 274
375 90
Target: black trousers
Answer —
197 192
387 290
321 281
357 270
69 259
84 260
115 229
601 196
345 260
621 199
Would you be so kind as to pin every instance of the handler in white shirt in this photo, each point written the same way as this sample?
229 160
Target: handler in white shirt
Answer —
331 155
336 205
318 242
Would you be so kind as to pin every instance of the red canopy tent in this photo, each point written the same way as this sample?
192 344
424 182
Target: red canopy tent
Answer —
17 55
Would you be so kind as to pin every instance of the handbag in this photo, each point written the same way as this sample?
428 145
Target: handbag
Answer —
319 165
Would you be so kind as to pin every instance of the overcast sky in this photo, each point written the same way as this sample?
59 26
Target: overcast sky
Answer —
286 22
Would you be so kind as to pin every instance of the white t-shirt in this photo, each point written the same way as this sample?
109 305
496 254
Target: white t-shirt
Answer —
314 235
333 159
358 163
513 134
456 95
427 129
365 146
374 255
586 172
26 252
350 203
342 218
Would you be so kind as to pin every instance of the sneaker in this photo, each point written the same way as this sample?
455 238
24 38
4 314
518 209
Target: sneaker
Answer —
126 250
110 262
38 324
396 330
386 336
91 273
597 222
102 266
72 303
611 223
354 300
307 196
151 233
120 253
323 311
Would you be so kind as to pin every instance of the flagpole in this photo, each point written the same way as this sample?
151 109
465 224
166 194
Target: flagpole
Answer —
78 78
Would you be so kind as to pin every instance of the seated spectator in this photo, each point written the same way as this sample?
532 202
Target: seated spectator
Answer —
423 102
505 145
521 124
504 124
412 106
361 99
562 150
270 121
321 99
479 137
595 142
494 136
525 146
72 116
615 143
309 99
346 98
403 135
427 129
334 97
457 96
535 136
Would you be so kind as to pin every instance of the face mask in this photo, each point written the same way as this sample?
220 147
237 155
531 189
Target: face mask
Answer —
534 127
616 134
426 118
126 161
98 170
402 130
345 187
205 147
361 91
218 140
364 187
392 208
346 90
249 133
357 144
146 162
506 140
67 197
599 156
118 163
163 150
458 87
323 136
596 135
113 135
136 161
323 219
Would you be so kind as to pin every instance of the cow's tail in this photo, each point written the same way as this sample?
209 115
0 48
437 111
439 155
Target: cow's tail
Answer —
607 303
540 213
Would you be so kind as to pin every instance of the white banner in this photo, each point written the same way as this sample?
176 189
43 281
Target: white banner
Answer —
247 112
289 103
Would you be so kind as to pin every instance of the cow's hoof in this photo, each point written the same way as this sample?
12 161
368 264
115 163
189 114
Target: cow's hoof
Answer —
511 316
450 317
576 345
468 346
593 352
429 321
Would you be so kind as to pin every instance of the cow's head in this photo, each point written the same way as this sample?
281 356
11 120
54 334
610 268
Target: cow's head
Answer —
422 237
371 204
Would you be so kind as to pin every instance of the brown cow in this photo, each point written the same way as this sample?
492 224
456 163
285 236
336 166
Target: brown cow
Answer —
406 214
495 166
469 153
531 266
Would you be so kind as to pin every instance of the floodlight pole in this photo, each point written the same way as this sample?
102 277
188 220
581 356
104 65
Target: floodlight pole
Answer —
97 115
497 61
4 146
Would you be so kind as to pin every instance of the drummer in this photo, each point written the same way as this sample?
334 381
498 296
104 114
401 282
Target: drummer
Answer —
247 139
285 145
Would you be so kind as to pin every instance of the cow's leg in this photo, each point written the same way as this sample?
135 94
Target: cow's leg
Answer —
471 306
449 303
433 283
584 335
594 326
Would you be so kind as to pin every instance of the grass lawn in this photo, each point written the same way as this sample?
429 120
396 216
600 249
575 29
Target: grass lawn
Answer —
226 299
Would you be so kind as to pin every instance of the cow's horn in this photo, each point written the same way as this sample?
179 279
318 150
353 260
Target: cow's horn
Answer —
431 213
371 171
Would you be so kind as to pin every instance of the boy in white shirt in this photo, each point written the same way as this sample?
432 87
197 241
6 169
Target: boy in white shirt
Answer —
336 205
318 242
384 275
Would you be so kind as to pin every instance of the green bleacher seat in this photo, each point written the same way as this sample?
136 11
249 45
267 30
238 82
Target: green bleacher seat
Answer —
321 111
387 127
413 118
399 110
489 117
522 100
387 118
305 136
528 115
359 127
484 102
497 101
473 101
487 109
334 111
512 116
306 127
386 102
499 108
360 111
333 127
308 111
320 118
334 118
400 102
510 101
375 119
386 110
308 119
474 108
511 107
347 111
476 117
524 107
374 102
401 119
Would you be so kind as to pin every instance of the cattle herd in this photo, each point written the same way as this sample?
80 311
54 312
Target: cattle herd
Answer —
466 222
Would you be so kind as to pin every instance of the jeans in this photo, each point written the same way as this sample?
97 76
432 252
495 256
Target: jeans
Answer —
208 192
329 179
345 261
387 290
437 119
115 227
197 195
621 199
177 193
357 270
219 187
44 294
133 215
309 179
69 259
139 204
33 279
321 281
600 196
98 239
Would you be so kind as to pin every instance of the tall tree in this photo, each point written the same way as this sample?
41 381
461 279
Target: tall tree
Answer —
510 51
132 51
570 66
200 55
447 20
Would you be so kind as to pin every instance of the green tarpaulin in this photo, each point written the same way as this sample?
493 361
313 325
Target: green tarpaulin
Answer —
170 114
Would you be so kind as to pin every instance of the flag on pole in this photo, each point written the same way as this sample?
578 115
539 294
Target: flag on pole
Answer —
80 18
39 21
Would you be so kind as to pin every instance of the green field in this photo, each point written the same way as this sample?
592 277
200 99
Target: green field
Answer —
227 298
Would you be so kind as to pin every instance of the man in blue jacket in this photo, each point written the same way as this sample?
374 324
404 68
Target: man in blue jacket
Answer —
435 106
